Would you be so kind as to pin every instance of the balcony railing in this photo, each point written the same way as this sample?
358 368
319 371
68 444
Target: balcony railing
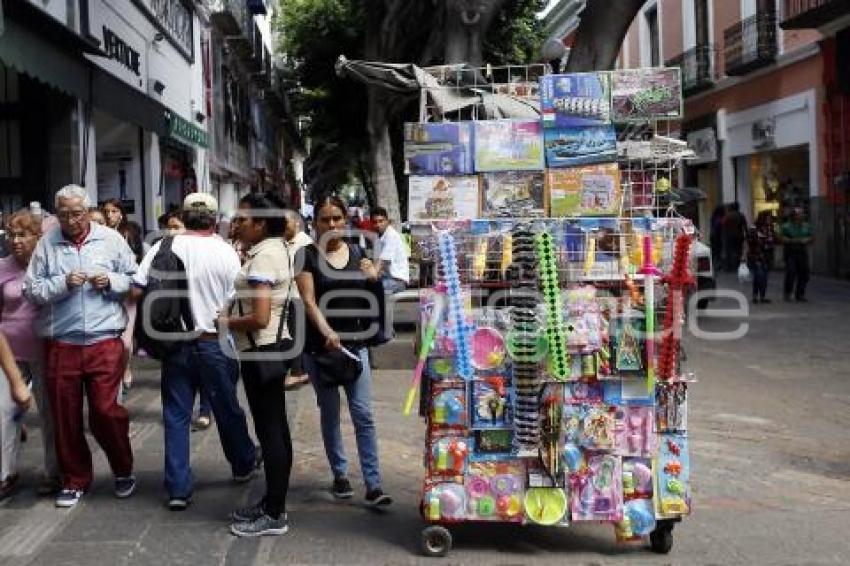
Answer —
803 14
698 70
228 15
750 44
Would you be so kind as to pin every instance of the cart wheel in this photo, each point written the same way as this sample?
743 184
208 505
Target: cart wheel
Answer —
436 541
661 539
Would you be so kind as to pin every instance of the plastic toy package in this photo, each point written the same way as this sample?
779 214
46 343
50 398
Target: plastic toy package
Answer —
671 406
495 491
672 491
443 148
491 404
635 431
597 489
444 501
448 406
447 456
576 99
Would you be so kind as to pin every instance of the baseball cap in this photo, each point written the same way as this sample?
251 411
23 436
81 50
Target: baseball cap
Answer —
200 201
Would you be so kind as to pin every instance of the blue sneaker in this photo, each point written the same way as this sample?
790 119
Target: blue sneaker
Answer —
68 498
124 487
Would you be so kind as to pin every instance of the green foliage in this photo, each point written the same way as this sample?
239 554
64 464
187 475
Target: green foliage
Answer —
516 36
315 32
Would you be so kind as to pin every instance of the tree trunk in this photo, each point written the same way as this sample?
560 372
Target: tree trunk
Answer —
603 25
381 154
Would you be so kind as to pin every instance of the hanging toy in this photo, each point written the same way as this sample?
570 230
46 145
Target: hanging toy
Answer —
590 254
458 329
677 282
427 345
479 259
650 272
507 257
548 273
525 338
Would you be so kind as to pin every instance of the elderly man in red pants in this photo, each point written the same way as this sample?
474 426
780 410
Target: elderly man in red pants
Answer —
79 275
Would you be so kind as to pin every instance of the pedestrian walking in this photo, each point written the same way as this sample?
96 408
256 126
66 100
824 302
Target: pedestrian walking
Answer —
15 399
296 237
757 263
116 218
259 323
765 226
734 235
718 257
205 361
796 235
17 316
335 275
79 274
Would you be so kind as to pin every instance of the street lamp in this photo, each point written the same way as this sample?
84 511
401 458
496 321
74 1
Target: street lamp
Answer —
553 51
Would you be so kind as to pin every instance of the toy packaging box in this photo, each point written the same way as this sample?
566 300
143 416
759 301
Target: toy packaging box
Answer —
577 99
508 145
580 145
442 198
513 194
443 148
592 190
644 94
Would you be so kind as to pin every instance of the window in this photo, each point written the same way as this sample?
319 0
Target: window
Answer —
653 36
703 32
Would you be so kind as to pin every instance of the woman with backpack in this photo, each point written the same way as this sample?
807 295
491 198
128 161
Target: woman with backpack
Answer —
332 266
258 320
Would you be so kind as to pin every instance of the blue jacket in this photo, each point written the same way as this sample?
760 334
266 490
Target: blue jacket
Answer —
83 315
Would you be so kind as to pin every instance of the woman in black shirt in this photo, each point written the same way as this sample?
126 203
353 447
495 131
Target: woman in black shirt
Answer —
336 276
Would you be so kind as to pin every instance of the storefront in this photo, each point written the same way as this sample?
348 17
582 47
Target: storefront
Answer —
133 86
703 173
773 147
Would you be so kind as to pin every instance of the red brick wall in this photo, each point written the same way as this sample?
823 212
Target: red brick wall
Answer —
726 13
671 28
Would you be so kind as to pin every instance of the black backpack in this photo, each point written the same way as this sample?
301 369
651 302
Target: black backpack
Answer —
164 306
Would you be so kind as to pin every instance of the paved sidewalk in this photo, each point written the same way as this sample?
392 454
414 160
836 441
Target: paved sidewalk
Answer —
768 426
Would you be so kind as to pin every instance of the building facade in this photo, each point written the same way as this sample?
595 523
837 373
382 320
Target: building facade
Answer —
104 93
140 100
766 106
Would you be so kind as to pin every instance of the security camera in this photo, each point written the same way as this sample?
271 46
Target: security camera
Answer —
158 37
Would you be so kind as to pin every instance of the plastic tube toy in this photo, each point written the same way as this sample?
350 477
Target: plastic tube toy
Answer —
650 272
549 285
425 347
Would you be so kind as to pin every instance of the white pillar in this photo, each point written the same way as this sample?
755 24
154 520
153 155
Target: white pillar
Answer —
153 177
727 173
88 150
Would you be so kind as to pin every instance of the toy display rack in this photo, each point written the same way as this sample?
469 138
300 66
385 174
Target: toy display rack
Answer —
549 371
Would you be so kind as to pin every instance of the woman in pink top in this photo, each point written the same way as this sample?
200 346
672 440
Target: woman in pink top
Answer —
16 323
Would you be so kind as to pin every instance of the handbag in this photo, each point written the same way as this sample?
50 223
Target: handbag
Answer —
384 333
337 367
278 353
744 274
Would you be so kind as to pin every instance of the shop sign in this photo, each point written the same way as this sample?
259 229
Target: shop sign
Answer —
174 20
118 49
123 47
704 145
764 132
185 131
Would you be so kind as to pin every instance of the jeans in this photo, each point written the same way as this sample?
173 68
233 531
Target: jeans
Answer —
759 272
201 361
796 270
359 395
95 371
268 407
